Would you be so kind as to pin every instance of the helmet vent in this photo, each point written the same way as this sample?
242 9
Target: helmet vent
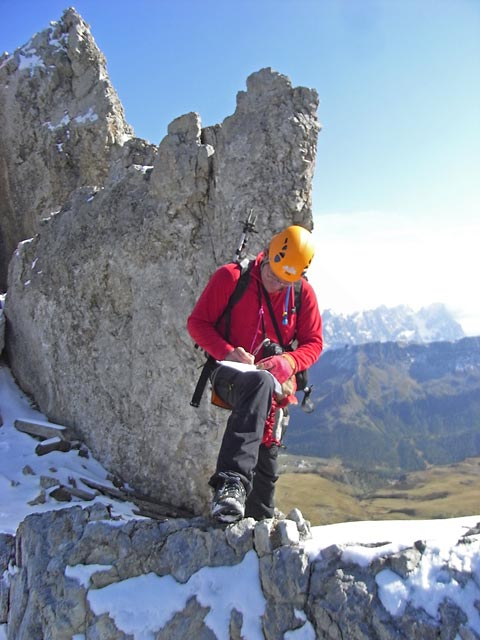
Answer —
281 254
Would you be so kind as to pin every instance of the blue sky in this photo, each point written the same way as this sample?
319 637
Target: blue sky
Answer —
397 186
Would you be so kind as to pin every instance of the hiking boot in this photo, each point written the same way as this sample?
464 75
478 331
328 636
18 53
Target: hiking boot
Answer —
228 504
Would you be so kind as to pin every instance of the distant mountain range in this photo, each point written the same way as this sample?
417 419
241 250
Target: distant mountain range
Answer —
397 324
393 405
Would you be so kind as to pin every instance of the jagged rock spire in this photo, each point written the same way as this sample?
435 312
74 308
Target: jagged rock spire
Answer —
98 300
60 119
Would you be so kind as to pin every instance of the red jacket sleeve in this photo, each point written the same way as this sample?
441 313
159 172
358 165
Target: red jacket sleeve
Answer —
210 306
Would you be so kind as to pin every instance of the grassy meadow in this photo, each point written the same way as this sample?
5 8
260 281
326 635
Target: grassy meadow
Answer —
327 493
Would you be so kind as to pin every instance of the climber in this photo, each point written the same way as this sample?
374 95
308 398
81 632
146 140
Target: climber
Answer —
265 330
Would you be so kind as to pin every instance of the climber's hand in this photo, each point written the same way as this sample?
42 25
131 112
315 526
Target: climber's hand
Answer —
240 355
279 366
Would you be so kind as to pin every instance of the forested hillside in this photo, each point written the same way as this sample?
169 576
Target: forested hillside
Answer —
393 405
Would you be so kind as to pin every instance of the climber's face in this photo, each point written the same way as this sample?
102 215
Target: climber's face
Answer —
270 281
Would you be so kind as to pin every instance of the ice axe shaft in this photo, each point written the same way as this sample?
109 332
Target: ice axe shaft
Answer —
248 227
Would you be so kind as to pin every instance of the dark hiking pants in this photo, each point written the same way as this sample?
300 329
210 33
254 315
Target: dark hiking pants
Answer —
261 500
241 452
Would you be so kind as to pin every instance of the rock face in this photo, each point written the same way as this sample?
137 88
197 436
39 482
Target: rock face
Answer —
64 568
98 300
60 120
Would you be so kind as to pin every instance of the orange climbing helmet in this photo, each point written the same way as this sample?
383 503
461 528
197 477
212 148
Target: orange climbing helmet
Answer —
290 253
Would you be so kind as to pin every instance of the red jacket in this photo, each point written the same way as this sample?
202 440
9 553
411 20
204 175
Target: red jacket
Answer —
246 327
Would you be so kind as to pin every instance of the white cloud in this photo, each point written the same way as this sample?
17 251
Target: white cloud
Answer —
366 259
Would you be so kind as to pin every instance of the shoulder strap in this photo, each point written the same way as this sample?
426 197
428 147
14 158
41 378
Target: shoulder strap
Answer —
238 292
272 316
210 364
297 287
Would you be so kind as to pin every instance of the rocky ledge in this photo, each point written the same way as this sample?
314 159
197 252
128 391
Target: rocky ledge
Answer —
63 568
